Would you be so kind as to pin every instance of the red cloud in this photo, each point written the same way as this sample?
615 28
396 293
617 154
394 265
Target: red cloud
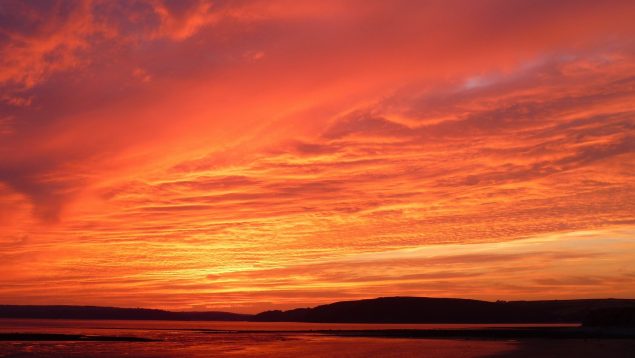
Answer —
146 145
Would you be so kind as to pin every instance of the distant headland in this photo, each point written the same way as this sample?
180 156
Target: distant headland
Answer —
592 312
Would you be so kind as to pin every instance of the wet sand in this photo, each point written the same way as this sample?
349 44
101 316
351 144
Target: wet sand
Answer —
220 339
560 333
35 337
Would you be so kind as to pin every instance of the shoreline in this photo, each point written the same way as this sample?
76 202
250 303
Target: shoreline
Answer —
550 333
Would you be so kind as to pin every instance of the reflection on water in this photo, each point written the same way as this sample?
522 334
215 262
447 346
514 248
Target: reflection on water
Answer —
195 339
262 346
48 325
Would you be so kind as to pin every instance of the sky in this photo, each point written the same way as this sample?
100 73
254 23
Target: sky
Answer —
253 155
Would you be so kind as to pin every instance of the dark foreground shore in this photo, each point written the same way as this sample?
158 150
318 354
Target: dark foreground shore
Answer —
433 343
495 333
578 348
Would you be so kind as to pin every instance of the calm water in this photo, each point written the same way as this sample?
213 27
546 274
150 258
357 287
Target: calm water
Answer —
194 339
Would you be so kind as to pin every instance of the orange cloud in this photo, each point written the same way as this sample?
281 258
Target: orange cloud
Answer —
194 153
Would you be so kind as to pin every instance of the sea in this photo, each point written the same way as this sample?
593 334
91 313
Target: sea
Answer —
273 339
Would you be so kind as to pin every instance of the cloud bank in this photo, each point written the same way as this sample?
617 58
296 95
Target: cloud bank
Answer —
207 152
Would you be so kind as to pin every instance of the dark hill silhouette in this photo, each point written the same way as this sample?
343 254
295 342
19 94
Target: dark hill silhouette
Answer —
94 312
445 310
611 317
378 310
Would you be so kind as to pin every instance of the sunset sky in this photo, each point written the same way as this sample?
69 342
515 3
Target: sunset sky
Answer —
250 155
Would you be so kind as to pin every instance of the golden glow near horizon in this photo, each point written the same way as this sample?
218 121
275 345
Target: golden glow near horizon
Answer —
251 155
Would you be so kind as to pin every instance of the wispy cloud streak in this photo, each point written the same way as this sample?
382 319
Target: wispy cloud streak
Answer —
205 152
